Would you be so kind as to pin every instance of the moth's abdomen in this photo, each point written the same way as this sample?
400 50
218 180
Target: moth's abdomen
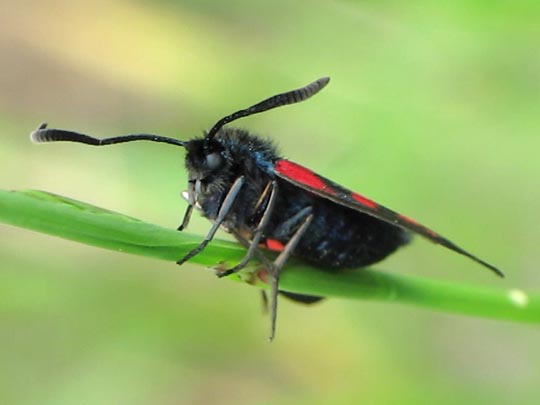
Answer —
341 239
338 237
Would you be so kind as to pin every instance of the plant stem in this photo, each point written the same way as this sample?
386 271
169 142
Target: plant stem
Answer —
74 220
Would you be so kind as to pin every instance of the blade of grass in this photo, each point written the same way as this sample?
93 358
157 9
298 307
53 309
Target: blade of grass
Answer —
70 219
74 220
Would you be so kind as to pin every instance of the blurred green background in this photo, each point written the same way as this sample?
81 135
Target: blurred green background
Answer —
433 110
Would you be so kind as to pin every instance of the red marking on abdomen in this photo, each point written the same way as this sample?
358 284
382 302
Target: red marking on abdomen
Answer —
302 175
275 245
364 201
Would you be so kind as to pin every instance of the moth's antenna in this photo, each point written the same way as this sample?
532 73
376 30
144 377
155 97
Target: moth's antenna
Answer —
290 97
42 134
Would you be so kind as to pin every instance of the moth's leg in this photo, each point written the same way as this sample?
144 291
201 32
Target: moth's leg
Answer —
186 219
262 258
258 230
275 271
264 297
289 226
223 211
260 255
191 201
262 198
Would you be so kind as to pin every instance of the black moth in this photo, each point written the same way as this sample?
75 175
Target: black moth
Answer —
240 182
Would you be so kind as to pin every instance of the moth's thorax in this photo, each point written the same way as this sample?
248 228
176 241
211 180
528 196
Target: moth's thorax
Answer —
213 166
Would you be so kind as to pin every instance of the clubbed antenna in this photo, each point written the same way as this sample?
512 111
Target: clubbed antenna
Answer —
290 97
43 134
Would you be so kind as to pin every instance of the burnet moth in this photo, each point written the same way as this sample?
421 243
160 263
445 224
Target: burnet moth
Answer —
241 183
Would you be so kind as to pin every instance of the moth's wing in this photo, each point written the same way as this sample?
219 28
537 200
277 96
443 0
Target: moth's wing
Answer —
312 182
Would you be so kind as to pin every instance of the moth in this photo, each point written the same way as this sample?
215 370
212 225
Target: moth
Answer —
241 183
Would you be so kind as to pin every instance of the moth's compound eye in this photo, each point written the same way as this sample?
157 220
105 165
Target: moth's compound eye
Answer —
214 161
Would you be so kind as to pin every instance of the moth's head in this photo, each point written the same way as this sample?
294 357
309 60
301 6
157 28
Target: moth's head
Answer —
205 158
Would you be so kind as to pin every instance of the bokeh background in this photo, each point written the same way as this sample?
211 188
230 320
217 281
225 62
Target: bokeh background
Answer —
433 110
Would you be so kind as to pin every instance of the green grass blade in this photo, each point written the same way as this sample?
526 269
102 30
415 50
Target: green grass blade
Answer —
74 220
70 219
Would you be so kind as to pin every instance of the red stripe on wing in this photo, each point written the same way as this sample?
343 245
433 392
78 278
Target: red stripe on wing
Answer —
303 176
418 225
364 201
